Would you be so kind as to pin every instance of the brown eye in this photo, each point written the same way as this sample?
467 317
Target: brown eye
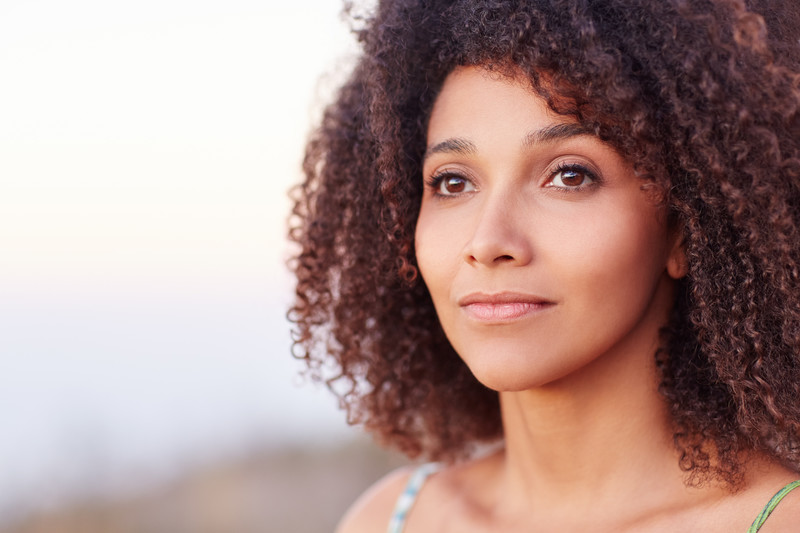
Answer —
572 178
452 184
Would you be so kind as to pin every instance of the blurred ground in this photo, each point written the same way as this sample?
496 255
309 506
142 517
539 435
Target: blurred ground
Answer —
300 490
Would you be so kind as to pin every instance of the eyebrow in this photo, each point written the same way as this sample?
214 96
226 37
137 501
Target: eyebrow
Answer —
544 135
455 145
556 132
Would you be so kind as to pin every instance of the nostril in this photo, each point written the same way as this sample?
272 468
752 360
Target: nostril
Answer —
498 249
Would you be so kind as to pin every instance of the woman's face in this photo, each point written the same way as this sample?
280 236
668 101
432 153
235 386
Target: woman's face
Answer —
541 250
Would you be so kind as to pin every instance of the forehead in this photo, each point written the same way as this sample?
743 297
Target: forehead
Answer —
478 109
474 99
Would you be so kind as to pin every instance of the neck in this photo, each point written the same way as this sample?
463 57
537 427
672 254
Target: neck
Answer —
600 433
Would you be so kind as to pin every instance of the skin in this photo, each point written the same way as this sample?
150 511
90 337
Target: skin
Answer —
551 255
552 268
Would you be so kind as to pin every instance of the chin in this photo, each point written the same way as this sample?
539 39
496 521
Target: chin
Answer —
513 373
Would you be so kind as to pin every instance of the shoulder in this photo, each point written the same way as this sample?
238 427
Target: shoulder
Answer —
441 485
373 510
785 515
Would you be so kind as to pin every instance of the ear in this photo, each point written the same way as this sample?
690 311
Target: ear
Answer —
677 267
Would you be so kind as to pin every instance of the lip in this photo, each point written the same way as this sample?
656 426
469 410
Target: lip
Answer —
502 307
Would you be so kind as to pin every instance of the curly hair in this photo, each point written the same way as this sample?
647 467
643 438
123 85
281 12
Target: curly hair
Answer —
702 96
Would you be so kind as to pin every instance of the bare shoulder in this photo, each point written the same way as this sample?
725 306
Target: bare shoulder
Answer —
372 511
461 484
786 515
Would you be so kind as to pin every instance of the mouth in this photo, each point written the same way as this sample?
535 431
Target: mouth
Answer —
502 307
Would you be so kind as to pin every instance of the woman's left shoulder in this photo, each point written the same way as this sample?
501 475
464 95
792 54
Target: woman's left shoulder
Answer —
780 503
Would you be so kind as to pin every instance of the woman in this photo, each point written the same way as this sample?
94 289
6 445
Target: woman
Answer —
568 228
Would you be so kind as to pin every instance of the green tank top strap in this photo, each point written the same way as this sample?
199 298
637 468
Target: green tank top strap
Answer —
771 505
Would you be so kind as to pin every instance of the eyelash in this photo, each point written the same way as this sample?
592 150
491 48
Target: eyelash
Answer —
434 183
578 168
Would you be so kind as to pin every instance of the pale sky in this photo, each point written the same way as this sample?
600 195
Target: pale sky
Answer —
146 149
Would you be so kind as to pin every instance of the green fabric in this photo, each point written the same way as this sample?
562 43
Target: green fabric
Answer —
771 505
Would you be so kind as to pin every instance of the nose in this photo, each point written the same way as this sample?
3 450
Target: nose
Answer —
501 234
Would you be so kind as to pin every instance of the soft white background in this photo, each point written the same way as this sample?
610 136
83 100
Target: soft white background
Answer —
146 150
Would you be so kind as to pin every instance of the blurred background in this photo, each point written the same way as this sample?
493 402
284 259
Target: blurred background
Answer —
146 382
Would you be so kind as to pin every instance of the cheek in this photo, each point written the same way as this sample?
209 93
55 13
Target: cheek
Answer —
436 241
616 259
428 242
